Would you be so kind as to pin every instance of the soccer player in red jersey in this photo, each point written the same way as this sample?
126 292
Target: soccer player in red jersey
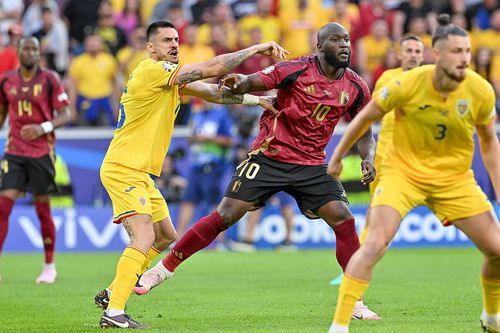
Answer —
29 97
314 93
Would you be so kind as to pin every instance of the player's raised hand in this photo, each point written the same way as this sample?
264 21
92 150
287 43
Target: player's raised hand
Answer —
232 81
368 171
31 131
335 168
272 49
268 103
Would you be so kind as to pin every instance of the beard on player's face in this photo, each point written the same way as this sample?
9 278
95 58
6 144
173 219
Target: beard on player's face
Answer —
332 59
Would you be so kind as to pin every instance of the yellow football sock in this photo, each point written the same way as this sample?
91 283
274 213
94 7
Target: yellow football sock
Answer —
363 235
129 266
491 295
350 290
152 254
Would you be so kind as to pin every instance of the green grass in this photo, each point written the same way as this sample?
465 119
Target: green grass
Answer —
431 291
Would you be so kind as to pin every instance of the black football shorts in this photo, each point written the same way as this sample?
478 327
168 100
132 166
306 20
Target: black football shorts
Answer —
35 175
259 177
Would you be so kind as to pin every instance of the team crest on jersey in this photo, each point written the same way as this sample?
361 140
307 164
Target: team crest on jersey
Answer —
168 66
462 107
13 91
142 201
37 89
344 97
268 69
384 93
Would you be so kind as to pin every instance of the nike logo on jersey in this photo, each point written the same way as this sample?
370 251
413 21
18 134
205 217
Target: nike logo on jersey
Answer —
425 106
130 189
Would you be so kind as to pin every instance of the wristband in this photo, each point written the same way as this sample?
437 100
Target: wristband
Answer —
250 99
47 127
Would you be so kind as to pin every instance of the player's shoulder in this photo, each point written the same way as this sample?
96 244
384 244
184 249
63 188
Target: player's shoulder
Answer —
49 73
8 74
351 76
477 84
390 73
296 63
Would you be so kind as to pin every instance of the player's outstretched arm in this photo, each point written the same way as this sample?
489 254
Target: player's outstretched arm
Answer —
490 152
225 63
359 126
240 83
212 93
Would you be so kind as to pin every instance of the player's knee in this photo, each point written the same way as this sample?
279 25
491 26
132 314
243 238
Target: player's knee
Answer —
374 249
229 216
493 256
164 241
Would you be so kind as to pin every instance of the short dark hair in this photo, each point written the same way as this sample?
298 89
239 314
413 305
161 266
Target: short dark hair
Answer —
446 28
153 28
406 37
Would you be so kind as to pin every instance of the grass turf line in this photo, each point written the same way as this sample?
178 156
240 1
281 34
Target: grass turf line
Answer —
417 290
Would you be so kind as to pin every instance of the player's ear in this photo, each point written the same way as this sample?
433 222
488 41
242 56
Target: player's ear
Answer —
436 52
150 47
319 47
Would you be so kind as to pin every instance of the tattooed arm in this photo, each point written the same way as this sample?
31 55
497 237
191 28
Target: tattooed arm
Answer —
211 93
225 63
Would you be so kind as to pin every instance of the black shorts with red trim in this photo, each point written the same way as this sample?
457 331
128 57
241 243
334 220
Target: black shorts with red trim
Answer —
259 177
35 175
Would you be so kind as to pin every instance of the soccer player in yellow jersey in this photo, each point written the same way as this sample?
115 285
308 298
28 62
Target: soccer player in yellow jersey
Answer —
148 106
437 108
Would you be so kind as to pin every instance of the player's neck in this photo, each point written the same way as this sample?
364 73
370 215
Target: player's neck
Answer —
331 72
442 83
28 73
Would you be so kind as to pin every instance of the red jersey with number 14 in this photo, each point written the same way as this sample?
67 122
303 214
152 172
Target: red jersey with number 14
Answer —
31 102
310 107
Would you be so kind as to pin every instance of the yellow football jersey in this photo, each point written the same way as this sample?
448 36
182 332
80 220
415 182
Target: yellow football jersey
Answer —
387 125
433 135
148 107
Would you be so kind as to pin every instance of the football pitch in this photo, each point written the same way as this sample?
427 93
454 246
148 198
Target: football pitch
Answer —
414 290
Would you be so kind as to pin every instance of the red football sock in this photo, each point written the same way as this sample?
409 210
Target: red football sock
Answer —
6 205
201 234
48 230
347 242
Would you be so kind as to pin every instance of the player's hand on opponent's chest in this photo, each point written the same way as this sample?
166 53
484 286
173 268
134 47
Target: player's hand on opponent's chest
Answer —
268 103
368 171
31 131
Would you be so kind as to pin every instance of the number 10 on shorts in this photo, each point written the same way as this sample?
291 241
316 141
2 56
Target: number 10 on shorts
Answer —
251 170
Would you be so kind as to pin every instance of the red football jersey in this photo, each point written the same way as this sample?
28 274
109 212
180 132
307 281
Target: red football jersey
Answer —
310 107
31 102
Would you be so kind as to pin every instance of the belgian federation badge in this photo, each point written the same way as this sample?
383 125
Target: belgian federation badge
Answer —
344 97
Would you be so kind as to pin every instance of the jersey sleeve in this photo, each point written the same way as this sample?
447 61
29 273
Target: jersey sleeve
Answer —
281 74
59 98
391 95
163 73
362 98
487 111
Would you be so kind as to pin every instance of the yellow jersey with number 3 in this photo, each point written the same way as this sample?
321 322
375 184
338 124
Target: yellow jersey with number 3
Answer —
433 135
148 107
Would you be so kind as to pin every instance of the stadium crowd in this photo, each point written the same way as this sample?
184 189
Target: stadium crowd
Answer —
94 45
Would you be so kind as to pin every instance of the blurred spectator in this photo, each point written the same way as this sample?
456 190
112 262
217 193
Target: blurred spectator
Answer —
369 12
163 6
371 49
129 17
10 13
456 8
171 184
80 16
92 77
219 40
418 28
130 56
481 63
54 41
244 8
390 61
192 51
221 15
201 10
410 9
344 13
147 8
210 144
298 22
175 15
489 38
8 54
258 61
32 17
481 13
263 20
113 36
63 198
